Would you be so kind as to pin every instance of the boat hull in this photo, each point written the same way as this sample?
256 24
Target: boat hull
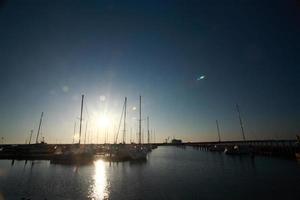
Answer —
81 158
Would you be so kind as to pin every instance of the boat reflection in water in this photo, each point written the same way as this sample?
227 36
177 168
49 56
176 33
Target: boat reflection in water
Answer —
99 188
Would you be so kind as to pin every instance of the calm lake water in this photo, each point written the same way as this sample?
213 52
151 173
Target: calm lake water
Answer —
169 173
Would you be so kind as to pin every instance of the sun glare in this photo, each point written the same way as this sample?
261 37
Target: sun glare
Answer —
76 137
99 188
104 121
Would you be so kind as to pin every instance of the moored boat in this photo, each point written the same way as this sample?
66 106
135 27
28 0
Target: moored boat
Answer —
138 152
217 148
75 155
237 150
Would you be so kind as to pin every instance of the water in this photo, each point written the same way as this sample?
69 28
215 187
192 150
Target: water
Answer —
169 173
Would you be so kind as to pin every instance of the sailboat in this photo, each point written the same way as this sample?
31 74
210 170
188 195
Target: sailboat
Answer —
124 152
239 149
39 149
76 153
120 152
139 151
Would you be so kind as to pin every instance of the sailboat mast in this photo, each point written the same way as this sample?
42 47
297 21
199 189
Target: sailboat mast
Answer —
241 122
82 97
124 131
140 122
218 130
38 133
130 134
74 132
148 132
31 131
151 136
97 136
86 126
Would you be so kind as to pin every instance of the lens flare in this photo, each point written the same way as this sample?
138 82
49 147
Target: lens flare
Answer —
201 78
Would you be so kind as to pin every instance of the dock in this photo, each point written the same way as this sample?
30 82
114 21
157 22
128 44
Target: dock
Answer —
47 151
277 148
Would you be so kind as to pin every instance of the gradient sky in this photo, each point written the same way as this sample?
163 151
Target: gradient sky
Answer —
52 51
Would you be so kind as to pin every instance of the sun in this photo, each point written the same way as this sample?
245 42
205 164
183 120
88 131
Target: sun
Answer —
104 121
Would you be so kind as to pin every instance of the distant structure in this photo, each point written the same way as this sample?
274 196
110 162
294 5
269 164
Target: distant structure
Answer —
176 141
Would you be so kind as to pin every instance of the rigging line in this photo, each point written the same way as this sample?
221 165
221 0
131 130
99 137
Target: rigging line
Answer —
86 109
116 139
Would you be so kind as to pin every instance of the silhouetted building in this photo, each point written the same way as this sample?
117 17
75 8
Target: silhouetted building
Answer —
175 141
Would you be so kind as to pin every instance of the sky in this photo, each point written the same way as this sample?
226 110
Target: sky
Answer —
191 61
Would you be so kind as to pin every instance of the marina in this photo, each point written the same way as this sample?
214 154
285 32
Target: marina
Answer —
78 153
82 153
149 100
169 173
276 148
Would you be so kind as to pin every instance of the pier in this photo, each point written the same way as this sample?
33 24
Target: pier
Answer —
279 148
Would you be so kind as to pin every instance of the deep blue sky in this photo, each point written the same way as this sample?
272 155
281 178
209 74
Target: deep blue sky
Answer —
52 51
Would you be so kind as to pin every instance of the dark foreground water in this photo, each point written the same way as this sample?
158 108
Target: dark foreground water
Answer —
169 173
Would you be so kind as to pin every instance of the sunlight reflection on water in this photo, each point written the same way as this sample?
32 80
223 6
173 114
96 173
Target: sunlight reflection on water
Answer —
99 187
169 173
